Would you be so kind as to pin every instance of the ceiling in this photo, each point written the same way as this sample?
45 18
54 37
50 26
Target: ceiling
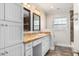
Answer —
55 8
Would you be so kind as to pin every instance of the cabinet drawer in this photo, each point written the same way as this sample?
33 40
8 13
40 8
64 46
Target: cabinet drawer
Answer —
36 42
28 52
45 43
28 46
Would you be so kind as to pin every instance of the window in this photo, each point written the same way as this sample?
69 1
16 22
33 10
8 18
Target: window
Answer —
60 23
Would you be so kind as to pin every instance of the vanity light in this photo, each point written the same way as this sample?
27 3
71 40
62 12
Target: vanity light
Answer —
37 11
24 3
27 4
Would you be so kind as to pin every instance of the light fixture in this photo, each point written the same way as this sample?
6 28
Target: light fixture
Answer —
27 4
24 3
37 11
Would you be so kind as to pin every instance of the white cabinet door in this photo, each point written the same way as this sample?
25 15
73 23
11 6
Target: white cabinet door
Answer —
1 11
28 49
13 33
17 50
29 52
13 12
45 45
1 34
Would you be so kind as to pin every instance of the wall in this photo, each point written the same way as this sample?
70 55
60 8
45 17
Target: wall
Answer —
76 27
61 37
34 9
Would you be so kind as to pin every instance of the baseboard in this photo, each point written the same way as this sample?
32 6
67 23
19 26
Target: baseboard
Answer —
53 48
75 50
64 45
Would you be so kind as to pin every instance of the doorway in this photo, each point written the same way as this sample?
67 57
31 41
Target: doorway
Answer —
71 27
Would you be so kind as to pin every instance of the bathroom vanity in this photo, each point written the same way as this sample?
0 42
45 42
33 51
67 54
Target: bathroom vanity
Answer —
36 44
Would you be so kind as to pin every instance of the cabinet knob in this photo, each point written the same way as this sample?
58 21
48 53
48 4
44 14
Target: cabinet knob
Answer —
2 53
2 24
6 25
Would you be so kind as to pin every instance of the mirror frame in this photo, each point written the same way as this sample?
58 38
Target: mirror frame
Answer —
29 19
39 22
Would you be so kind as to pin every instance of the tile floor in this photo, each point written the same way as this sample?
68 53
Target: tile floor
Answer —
60 51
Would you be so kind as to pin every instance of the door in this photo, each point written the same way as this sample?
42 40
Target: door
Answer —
1 11
13 33
17 50
61 30
13 12
71 26
1 34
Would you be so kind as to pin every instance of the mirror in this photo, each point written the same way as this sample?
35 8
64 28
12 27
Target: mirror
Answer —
36 22
26 19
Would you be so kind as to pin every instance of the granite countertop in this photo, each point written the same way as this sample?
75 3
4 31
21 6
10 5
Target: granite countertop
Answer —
29 37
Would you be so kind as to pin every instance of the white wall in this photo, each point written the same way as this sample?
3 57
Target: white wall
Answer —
62 37
76 27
